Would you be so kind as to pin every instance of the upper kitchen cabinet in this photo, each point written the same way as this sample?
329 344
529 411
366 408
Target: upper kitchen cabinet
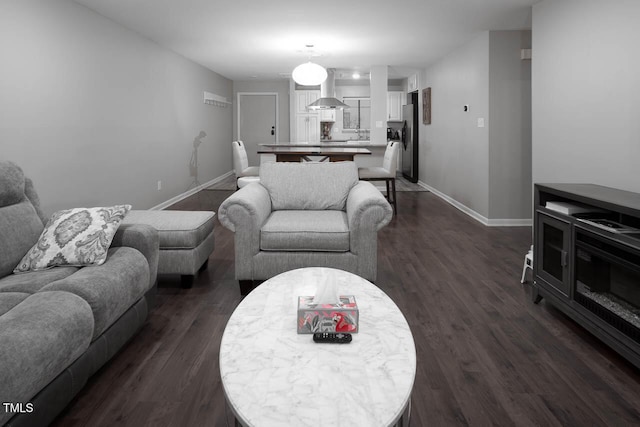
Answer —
304 98
412 83
395 101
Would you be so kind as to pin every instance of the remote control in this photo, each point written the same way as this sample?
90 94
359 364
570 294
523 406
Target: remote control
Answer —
333 338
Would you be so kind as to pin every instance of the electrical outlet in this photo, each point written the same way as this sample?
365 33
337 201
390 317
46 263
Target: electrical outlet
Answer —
159 185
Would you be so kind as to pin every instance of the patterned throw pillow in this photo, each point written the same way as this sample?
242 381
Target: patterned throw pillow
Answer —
74 237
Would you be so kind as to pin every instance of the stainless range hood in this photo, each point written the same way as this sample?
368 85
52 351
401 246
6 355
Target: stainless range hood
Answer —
328 99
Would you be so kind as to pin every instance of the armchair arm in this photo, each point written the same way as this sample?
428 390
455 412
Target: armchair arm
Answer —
367 212
145 239
244 213
248 207
367 207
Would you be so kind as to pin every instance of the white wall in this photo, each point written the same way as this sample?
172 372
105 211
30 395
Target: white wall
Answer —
586 89
378 84
510 189
486 171
454 152
96 114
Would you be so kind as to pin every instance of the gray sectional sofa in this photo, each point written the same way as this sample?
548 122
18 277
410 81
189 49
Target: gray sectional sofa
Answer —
59 326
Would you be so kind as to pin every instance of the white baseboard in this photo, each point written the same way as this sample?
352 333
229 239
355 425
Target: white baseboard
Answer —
190 192
475 215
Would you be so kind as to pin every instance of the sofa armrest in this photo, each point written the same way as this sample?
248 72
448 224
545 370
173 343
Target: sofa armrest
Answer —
244 213
367 212
366 206
247 208
145 239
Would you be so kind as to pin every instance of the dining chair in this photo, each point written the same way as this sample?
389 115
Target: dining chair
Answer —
387 172
241 162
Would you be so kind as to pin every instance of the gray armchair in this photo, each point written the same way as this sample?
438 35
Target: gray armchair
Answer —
305 215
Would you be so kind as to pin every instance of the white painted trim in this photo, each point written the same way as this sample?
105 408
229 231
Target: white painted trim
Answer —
277 112
524 222
475 215
190 192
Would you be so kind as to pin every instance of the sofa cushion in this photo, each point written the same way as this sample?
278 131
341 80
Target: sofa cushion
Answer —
8 300
12 180
77 237
176 229
305 230
32 281
110 288
20 225
40 337
310 185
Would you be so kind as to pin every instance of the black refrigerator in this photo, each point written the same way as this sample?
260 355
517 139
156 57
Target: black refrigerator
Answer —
410 140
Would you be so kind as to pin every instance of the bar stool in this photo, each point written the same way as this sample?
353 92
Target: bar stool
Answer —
385 173
241 162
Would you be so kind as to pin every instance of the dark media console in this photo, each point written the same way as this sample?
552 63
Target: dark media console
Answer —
587 260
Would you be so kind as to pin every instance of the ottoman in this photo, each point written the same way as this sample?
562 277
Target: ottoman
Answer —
186 240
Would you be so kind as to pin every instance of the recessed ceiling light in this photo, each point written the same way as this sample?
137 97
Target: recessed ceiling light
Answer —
356 75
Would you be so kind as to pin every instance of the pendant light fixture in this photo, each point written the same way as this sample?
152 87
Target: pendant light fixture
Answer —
309 73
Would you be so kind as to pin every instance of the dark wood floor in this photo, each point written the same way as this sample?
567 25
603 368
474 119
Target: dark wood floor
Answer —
486 354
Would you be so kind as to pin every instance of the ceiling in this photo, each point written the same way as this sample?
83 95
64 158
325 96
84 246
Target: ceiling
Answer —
265 40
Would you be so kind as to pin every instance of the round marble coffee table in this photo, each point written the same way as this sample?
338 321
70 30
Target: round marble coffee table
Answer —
273 376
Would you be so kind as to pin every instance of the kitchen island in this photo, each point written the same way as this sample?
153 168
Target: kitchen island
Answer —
375 159
297 153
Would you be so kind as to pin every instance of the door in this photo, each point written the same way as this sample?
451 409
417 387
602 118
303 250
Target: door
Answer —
552 252
257 122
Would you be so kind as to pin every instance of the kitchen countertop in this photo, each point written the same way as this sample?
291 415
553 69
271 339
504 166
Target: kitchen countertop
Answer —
332 143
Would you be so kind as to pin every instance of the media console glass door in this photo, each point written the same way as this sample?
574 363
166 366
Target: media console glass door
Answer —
553 252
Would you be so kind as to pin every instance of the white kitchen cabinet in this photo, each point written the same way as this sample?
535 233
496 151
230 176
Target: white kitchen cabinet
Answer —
412 83
304 98
328 115
307 128
395 101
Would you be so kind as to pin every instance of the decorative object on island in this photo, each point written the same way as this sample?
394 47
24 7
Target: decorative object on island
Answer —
426 106
587 260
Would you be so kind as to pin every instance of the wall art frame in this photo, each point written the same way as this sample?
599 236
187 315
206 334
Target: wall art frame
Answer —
426 106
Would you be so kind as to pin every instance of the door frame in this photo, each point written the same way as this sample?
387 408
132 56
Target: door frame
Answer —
260 94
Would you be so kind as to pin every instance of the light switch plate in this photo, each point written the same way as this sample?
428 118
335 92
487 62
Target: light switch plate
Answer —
480 122
378 123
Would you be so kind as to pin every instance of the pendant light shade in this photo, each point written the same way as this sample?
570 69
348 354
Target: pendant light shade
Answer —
309 74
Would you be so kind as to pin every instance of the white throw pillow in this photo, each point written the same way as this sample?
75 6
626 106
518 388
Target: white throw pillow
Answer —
74 237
